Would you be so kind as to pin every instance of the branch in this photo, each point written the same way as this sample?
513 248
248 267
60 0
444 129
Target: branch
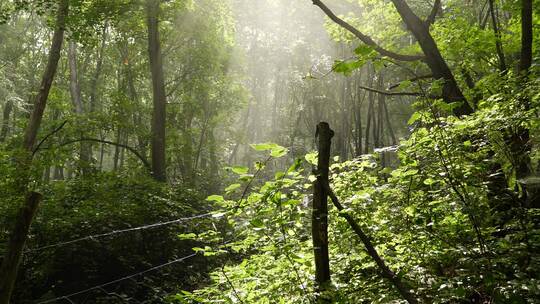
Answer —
47 137
365 39
411 80
431 18
403 288
388 93
131 149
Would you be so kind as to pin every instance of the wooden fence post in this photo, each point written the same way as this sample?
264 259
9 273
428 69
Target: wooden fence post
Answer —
319 222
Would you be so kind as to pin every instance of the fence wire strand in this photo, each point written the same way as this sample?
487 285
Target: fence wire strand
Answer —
112 233
118 280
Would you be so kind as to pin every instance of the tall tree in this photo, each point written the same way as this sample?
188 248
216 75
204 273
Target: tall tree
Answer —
158 87
8 108
85 153
432 55
19 233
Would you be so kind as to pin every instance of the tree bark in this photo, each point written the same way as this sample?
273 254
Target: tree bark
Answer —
319 220
97 74
436 63
526 36
370 117
497 32
8 108
365 39
520 144
19 234
389 123
432 56
36 117
17 240
159 97
85 152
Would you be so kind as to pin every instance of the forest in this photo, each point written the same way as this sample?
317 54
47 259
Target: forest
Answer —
269 151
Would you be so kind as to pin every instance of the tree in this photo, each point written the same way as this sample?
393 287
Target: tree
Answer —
158 89
432 56
85 153
18 235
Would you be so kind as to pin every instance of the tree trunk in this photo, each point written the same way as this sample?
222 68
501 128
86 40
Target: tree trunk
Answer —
432 56
520 144
498 42
8 108
357 112
389 123
85 153
436 63
16 244
158 87
19 233
319 220
97 74
117 150
370 117
526 36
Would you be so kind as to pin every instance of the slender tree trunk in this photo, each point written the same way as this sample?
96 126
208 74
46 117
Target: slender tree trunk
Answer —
380 122
319 221
521 145
370 117
134 96
8 108
526 36
19 233
122 150
117 150
389 123
358 116
202 139
97 74
343 142
159 97
498 41
187 150
214 161
58 173
101 151
85 152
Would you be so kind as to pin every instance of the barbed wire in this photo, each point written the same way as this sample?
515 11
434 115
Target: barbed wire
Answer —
112 233
66 297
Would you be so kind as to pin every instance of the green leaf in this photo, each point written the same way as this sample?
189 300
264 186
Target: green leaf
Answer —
414 118
364 50
279 151
257 223
429 181
240 170
312 158
263 146
232 187
347 67
215 198
187 236
297 164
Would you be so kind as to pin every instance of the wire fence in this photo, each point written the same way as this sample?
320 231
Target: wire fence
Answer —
101 286
115 232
